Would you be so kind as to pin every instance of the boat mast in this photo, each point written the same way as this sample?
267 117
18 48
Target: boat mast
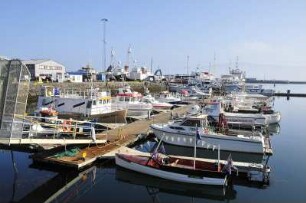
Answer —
112 57
128 56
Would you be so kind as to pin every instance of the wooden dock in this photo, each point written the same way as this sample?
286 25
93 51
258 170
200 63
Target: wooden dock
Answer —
121 136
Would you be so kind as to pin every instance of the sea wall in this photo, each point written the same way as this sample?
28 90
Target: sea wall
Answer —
136 86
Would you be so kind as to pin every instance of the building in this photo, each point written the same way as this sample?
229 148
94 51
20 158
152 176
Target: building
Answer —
74 77
89 73
45 69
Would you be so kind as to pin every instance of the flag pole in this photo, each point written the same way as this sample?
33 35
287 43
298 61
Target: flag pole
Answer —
195 147
160 141
218 157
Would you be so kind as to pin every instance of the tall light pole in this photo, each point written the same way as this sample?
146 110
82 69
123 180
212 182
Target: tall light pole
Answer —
104 20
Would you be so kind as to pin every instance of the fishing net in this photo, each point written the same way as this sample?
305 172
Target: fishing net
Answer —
68 153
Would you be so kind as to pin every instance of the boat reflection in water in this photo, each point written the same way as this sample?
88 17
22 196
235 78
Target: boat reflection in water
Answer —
156 186
66 186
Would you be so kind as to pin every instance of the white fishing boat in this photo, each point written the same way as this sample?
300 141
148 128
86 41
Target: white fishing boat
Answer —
131 100
233 82
258 89
194 91
167 97
81 105
182 133
157 105
263 118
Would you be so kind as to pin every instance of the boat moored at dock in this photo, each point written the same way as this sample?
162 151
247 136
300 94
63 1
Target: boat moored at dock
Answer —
90 104
174 169
131 100
182 133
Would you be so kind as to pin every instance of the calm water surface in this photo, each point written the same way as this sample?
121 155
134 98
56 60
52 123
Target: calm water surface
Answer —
21 181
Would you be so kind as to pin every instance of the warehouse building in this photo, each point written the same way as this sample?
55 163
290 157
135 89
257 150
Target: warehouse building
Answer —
45 69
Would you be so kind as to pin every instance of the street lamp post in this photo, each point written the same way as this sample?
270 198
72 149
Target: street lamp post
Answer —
104 20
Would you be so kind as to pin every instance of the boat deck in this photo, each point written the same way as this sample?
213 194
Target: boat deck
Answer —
121 136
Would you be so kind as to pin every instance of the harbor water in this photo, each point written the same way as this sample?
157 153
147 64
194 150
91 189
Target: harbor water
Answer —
23 181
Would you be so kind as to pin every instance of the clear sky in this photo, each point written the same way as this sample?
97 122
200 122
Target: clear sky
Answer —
269 36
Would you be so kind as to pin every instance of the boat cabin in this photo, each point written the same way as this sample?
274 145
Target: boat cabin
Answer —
125 94
88 102
192 122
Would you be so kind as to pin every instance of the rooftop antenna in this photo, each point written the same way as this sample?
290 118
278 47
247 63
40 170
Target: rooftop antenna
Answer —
237 60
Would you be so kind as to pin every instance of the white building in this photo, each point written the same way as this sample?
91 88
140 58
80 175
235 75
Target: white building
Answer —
74 77
46 68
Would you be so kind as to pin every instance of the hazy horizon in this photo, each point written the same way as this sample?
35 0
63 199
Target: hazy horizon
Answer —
269 37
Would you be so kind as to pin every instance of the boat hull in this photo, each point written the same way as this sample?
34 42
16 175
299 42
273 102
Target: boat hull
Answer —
118 116
169 175
272 118
244 120
227 143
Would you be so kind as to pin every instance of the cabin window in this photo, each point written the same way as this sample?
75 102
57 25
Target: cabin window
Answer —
192 123
121 98
89 103
101 102
176 128
127 99
47 101
94 102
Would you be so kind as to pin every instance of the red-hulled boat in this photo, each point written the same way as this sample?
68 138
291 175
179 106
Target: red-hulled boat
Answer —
176 169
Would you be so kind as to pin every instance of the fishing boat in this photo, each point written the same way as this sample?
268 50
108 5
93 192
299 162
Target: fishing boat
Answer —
174 169
243 117
157 105
182 132
194 91
258 89
166 96
91 104
131 100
